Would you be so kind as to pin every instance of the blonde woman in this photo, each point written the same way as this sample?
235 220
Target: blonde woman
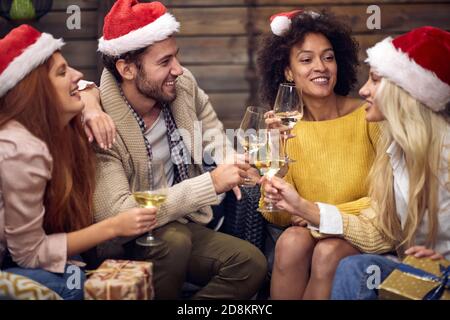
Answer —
409 88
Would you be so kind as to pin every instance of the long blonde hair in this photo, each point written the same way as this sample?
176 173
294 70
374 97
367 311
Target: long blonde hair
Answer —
420 134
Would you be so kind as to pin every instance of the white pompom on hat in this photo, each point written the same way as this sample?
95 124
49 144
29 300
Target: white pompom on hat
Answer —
280 23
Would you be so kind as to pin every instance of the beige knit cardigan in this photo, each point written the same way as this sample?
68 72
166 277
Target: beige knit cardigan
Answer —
189 199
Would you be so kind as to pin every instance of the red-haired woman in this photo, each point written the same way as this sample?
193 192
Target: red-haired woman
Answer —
47 169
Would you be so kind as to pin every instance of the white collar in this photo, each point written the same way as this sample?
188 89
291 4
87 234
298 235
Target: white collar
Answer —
394 152
401 180
392 149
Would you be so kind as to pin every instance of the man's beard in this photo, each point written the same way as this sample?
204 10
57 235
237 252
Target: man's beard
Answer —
151 90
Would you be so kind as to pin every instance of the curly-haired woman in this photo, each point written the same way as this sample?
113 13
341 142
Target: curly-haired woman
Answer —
334 146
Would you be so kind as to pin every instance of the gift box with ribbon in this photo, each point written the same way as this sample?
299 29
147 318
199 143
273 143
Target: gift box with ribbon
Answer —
418 279
120 280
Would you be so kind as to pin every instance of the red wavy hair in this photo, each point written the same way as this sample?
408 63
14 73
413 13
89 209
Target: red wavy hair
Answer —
68 197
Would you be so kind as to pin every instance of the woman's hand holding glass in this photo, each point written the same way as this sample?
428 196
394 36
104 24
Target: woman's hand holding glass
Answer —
134 222
275 123
286 198
284 195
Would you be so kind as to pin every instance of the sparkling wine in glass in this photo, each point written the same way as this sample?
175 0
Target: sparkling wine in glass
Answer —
289 108
151 196
251 135
270 162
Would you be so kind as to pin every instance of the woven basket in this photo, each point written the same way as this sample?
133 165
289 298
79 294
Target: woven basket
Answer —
241 218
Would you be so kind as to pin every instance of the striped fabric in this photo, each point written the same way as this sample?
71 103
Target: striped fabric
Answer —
16 287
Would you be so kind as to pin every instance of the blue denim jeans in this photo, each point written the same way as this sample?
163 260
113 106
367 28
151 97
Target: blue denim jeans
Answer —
356 275
68 285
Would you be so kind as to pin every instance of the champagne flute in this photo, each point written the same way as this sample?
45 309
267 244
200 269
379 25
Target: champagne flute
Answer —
270 162
151 196
251 136
289 108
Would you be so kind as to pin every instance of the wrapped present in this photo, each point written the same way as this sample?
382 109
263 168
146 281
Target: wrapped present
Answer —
418 279
120 280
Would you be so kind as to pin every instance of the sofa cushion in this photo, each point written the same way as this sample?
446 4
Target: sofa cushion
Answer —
17 287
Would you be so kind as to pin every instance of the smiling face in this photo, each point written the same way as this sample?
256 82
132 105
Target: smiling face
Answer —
312 66
158 71
368 92
65 81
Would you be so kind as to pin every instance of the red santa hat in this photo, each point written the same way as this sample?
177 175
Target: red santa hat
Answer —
131 25
280 23
418 62
22 51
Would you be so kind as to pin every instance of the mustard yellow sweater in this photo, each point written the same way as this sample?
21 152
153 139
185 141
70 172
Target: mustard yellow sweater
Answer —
333 159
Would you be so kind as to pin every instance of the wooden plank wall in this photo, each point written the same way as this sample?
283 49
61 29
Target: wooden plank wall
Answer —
219 38
81 45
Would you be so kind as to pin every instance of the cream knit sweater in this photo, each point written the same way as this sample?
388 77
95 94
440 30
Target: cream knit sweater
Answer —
191 198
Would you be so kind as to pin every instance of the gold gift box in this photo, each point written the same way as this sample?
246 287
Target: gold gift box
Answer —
120 280
401 285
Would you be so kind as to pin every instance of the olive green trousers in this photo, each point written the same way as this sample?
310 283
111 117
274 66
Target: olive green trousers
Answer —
224 266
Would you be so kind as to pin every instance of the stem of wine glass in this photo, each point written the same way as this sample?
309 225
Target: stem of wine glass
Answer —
150 236
284 139
269 206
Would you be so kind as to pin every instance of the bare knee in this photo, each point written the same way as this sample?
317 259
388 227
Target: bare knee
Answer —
294 246
327 254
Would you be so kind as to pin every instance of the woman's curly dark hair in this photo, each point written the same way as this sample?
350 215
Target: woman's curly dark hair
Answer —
273 57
